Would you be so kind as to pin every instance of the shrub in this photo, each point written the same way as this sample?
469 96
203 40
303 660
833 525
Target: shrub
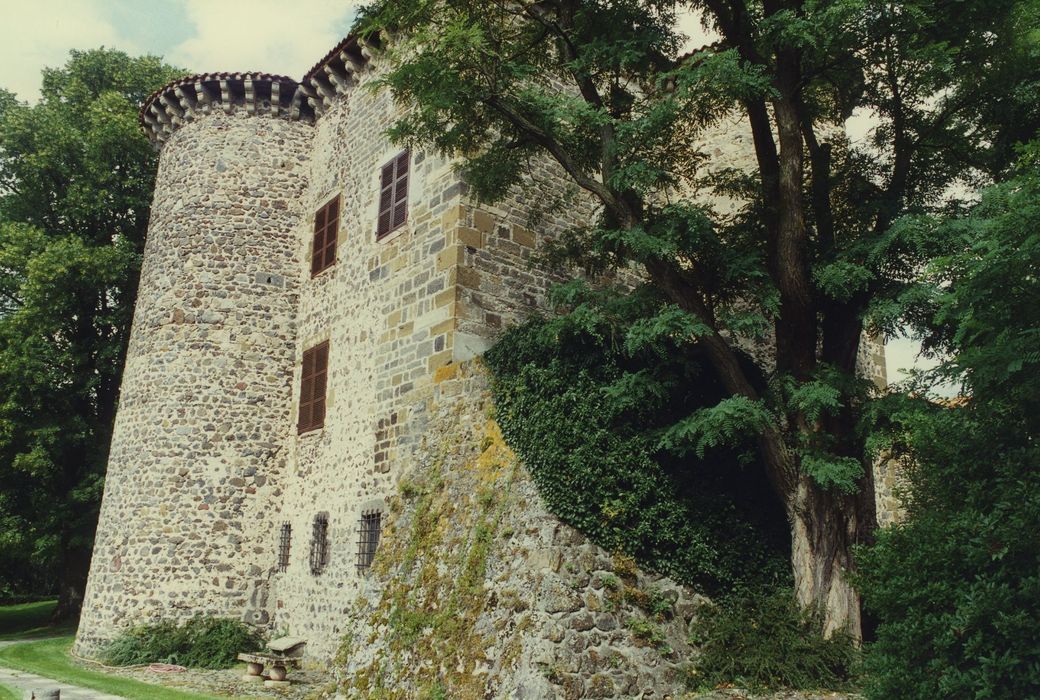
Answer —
202 642
765 641
955 588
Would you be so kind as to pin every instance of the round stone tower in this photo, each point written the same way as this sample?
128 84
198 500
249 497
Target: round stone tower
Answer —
196 462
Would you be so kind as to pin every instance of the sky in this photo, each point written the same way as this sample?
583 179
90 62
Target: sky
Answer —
275 36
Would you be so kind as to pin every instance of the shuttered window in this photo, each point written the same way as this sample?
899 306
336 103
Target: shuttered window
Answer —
393 195
326 229
312 388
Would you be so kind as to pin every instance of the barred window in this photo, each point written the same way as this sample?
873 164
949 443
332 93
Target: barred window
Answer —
313 380
284 543
320 543
393 195
371 527
326 229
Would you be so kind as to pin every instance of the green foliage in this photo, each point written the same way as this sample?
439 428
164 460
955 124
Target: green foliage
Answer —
596 425
202 642
765 641
76 177
955 586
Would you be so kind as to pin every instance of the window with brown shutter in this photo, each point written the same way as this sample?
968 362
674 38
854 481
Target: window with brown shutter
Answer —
393 195
312 387
326 229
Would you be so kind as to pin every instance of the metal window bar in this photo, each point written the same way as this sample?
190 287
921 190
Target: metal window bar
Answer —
371 525
284 543
320 544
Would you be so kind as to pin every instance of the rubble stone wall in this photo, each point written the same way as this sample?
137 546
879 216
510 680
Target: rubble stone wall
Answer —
195 466
387 308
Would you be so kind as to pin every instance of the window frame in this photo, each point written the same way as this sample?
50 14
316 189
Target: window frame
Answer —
393 196
325 242
319 555
284 546
313 402
368 539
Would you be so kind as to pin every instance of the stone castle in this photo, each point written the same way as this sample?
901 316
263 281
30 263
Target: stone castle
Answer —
300 396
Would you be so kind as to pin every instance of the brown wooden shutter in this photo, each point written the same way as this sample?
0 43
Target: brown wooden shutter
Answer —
326 230
393 195
314 379
401 190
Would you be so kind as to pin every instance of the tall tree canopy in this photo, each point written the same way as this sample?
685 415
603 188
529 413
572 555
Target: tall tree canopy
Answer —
76 176
955 586
814 253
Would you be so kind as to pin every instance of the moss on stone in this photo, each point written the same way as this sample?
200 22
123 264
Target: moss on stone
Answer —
433 567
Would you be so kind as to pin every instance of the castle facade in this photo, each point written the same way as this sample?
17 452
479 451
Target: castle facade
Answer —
312 299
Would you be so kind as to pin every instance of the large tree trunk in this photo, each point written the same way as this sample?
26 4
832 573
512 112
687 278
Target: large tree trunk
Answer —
824 527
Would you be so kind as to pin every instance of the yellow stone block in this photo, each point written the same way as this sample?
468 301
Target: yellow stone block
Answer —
523 236
449 257
471 237
443 327
453 216
439 360
483 221
445 373
444 298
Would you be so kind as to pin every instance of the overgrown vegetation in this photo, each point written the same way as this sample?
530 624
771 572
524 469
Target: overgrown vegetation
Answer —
588 406
808 256
202 642
433 561
955 587
766 641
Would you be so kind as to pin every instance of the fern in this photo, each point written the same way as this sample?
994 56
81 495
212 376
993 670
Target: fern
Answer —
726 424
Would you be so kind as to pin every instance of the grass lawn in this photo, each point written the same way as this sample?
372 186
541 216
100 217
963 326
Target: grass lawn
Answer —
50 658
29 620
9 693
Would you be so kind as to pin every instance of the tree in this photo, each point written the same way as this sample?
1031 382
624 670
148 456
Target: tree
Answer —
598 87
954 587
76 176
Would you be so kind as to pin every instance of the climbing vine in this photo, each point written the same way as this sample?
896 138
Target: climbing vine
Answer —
587 399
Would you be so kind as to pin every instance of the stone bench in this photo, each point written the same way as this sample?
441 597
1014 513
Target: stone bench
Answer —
283 654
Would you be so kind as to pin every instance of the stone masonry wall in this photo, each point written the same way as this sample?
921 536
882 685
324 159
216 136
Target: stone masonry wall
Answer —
195 465
479 592
387 309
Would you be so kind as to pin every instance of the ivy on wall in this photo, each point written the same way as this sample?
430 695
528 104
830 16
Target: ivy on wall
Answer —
586 400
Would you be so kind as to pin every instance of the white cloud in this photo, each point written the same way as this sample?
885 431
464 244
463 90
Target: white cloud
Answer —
273 36
40 33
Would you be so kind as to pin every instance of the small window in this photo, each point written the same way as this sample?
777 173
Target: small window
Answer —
284 543
314 379
393 195
368 539
326 229
320 543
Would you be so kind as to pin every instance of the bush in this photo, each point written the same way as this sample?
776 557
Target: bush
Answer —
955 588
765 641
202 642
